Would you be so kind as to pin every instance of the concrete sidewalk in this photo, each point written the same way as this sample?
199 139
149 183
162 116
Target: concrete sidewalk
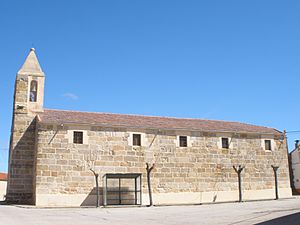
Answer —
285 211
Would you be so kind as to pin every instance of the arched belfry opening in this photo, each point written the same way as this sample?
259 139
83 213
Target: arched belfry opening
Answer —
33 91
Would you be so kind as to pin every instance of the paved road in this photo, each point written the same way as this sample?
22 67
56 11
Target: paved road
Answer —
285 211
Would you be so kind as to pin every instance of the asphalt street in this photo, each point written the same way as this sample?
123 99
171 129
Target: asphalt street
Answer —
282 211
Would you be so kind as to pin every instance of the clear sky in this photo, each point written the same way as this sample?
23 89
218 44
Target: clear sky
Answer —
224 60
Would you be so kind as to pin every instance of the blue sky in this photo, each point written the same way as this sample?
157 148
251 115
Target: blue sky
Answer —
224 60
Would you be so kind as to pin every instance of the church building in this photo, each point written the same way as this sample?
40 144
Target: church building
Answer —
55 155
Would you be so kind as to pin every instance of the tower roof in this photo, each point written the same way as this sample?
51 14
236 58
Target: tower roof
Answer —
31 65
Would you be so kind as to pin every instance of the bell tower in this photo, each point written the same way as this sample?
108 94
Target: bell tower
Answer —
28 101
29 89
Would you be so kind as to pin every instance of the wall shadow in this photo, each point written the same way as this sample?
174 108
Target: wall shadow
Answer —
292 219
114 197
21 174
91 199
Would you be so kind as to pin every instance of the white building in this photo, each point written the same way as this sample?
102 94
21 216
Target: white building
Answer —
295 166
3 183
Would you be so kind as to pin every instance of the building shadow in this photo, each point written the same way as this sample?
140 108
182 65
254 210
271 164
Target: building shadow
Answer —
21 174
115 196
292 219
91 199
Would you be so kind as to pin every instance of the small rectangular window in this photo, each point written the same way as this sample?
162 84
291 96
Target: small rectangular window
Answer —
225 143
136 139
183 141
268 145
78 137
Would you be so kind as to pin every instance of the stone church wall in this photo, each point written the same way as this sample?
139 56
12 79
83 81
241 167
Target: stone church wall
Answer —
201 172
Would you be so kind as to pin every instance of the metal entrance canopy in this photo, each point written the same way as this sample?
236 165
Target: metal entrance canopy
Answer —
122 189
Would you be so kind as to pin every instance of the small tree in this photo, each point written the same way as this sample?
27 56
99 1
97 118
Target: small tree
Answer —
239 159
276 161
239 170
90 163
97 187
149 169
275 168
153 158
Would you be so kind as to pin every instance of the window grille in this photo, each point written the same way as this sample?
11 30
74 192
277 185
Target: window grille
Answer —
78 137
136 139
183 141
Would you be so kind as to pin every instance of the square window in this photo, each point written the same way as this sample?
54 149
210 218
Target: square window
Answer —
225 143
136 139
78 137
268 145
182 141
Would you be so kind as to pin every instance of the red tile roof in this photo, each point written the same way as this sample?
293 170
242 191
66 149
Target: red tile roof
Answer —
3 176
151 122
